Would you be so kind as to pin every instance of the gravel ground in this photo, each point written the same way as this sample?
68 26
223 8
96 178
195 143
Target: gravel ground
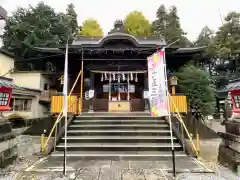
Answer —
209 157
27 146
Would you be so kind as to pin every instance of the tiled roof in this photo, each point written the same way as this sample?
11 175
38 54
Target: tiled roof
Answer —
235 84
8 84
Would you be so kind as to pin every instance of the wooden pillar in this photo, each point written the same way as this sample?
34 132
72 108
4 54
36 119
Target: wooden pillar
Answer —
128 94
146 101
81 90
92 87
118 87
173 90
110 87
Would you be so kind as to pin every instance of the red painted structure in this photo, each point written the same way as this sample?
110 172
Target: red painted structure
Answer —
5 97
235 95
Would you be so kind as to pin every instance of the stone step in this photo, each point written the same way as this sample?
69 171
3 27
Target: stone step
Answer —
128 145
120 121
116 117
124 149
122 132
118 137
118 126
119 147
140 113
120 154
117 130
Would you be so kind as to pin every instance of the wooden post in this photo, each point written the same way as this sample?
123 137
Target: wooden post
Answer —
119 87
110 88
173 90
128 95
81 91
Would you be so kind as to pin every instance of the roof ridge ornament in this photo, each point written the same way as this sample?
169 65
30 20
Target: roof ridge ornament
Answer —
118 27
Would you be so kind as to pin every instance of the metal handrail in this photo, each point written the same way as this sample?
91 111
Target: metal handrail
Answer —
61 113
178 116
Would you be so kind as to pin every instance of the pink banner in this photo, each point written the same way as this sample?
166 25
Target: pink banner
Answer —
157 79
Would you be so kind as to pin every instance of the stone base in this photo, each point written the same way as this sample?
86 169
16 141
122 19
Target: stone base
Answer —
228 157
233 127
8 156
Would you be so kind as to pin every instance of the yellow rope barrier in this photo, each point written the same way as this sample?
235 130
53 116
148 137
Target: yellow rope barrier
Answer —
185 128
60 116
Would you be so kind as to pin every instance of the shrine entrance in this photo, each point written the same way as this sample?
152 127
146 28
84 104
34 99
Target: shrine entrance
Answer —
119 88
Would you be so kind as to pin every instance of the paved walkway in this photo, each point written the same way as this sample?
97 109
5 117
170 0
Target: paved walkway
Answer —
112 170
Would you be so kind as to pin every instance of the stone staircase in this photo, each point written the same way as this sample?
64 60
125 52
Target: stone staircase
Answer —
118 135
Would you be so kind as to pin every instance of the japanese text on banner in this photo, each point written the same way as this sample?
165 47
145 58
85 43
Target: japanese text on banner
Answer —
157 84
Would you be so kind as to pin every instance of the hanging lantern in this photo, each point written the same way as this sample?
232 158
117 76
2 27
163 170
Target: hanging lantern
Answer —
131 76
114 77
101 77
105 76
123 76
136 78
119 77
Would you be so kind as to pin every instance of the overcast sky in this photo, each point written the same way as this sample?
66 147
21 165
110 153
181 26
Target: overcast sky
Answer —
194 14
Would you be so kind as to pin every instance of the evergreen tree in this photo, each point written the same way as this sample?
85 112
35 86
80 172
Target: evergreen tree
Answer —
205 37
227 38
34 26
159 26
71 17
168 24
197 85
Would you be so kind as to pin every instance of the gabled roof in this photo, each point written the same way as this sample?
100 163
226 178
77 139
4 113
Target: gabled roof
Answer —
168 50
138 41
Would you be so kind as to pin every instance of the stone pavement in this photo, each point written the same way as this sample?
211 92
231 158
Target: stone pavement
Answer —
51 168
112 170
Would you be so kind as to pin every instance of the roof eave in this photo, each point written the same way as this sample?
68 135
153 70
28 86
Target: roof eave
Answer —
190 50
7 53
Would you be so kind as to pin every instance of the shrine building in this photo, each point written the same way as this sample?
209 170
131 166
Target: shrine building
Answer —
114 72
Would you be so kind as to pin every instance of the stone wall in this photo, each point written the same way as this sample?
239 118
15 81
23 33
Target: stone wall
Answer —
229 150
38 126
8 144
204 130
